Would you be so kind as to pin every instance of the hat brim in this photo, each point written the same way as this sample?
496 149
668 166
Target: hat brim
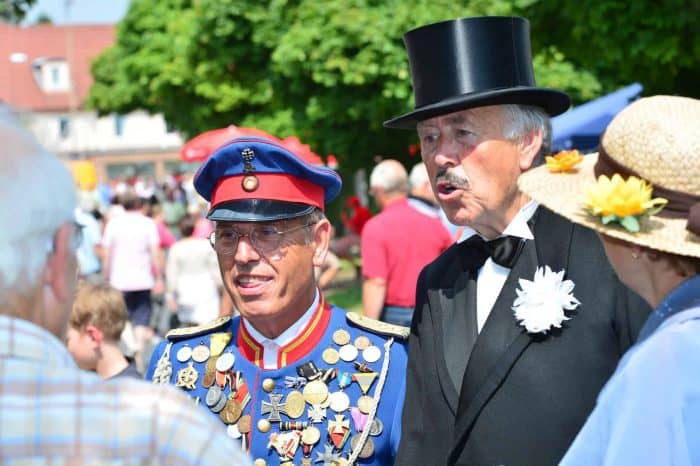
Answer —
564 194
554 102
257 210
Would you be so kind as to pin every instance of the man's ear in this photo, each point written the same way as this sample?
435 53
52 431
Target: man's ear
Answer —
57 265
96 335
529 148
321 241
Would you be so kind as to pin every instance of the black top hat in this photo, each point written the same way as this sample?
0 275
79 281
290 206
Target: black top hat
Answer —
473 62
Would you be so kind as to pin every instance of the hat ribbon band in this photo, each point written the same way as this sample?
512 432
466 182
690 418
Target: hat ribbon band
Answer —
680 204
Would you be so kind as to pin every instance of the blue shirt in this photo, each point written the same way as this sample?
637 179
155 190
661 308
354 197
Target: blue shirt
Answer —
649 411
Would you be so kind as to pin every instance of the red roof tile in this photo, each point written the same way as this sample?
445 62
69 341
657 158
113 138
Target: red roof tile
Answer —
18 87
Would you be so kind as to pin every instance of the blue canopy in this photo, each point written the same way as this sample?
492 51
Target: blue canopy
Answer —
580 128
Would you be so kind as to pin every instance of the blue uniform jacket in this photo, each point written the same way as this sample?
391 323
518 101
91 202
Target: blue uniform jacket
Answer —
286 407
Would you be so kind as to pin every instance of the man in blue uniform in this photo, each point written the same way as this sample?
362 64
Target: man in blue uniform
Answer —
297 380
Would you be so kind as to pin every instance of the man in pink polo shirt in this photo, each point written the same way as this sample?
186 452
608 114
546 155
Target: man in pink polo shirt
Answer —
396 244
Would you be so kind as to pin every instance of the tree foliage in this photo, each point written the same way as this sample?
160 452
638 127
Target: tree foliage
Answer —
14 11
329 72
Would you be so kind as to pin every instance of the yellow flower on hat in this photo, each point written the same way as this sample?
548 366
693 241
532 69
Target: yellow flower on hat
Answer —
622 201
563 161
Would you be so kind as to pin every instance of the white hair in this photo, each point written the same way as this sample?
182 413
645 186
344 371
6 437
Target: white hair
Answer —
418 176
390 175
522 120
37 196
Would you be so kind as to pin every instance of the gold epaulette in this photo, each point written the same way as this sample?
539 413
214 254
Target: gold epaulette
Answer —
189 332
377 326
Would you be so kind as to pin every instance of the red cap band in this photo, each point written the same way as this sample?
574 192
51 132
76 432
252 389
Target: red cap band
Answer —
271 186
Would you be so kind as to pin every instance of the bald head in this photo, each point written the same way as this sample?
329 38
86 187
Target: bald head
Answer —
390 176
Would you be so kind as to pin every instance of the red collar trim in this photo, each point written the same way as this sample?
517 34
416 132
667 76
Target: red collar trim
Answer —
309 338
294 350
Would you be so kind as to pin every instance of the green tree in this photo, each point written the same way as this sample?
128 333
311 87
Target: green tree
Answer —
329 72
655 43
14 11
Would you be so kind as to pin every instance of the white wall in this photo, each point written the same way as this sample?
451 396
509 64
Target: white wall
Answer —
89 134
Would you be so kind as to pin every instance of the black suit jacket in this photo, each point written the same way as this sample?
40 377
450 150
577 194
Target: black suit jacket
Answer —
520 398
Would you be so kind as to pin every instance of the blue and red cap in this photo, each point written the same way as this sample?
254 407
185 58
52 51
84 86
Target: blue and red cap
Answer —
254 179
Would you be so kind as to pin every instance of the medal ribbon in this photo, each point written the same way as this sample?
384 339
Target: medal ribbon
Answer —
242 392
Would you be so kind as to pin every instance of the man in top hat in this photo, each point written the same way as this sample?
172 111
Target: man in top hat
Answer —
296 379
519 325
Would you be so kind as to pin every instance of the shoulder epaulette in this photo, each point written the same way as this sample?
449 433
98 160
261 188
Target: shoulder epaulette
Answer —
377 326
189 332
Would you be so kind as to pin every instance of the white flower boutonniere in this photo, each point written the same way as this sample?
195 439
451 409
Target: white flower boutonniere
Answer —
540 303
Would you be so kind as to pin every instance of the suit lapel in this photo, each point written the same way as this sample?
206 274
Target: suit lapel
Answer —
502 340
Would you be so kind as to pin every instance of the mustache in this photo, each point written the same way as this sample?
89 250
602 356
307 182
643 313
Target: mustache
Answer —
455 179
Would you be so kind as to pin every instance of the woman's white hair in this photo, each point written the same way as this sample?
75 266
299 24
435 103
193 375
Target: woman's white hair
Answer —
390 175
37 196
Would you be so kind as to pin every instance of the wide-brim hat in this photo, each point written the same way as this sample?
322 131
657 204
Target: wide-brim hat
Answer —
473 62
255 179
655 139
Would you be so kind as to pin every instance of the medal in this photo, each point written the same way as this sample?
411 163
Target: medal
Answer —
376 427
344 379
366 450
274 407
200 353
225 362
309 437
362 342
330 356
365 380
316 413
244 424
187 377
364 404
339 402
218 342
213 396
164 368
233 431
328 458
308 370
294 404
371 354
348 353
339 431
208 379
315 392
232 411
183 354
285 443
341 337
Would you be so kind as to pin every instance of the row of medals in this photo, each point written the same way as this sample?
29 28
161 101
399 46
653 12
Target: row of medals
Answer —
219 372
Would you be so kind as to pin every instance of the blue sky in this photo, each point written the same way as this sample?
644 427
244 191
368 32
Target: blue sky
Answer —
80 11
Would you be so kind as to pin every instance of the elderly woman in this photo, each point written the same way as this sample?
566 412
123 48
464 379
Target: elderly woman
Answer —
646 207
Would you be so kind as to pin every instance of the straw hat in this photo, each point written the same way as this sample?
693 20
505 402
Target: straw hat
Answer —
656 139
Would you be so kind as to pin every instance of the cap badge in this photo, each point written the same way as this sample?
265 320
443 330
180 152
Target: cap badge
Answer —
250 182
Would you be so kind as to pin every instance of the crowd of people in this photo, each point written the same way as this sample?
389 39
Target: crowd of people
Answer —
519 308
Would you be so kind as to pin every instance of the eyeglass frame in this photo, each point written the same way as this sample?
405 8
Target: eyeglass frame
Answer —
253 242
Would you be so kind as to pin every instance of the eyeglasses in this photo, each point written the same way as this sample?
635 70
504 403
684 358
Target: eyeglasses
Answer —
264 238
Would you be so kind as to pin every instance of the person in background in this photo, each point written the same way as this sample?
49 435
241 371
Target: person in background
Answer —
347 246
392 257
640 192
88 252
517 326
296 379
192 280
95 326
132 264
52 412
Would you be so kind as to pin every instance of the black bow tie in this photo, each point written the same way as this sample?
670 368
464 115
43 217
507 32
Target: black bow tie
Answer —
504 251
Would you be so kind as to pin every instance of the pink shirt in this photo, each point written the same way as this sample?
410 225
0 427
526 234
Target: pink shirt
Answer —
396 244
129 240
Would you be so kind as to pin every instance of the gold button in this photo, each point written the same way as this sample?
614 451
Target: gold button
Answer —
268 385
264 425
259 462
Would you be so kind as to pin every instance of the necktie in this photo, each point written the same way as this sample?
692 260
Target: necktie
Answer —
504 251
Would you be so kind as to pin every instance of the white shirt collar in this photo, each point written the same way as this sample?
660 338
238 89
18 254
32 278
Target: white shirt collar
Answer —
288 335
517 227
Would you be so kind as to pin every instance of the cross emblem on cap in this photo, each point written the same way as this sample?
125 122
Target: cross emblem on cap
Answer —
247 155
274 407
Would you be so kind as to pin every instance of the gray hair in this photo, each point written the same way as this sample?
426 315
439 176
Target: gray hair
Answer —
521 120
37 196
418 176
390 175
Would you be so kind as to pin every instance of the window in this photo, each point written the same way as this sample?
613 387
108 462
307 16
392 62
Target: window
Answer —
118 125
51 74
63 127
